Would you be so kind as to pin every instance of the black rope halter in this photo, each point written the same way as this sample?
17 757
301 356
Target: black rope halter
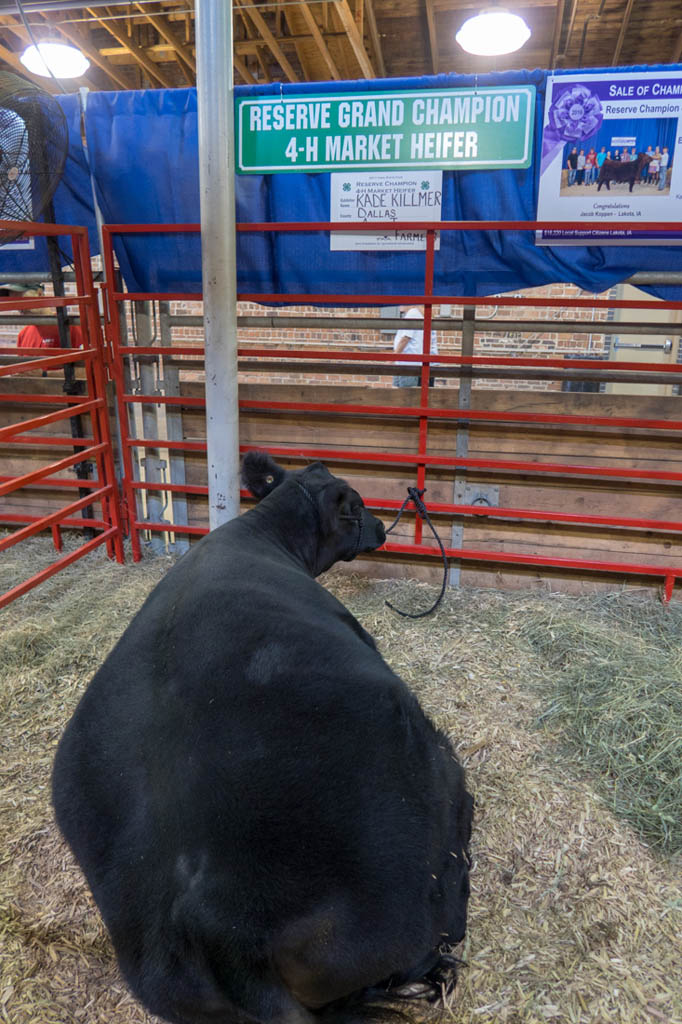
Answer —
415 495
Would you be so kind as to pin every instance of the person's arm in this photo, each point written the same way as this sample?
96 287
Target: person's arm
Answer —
401 344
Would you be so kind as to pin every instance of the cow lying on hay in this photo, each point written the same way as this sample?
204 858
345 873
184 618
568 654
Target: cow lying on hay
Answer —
628 171
271 827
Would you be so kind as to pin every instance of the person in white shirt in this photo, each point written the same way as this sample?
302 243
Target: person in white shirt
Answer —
655 166
663 173
412 343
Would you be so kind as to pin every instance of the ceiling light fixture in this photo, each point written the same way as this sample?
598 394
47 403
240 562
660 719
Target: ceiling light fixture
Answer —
493 32
54 59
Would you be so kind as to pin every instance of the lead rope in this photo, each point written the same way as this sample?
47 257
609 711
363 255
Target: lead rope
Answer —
415 495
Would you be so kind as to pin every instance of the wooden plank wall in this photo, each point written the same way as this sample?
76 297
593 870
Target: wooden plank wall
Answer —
572 445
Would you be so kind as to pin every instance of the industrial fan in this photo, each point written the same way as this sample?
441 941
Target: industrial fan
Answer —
33 145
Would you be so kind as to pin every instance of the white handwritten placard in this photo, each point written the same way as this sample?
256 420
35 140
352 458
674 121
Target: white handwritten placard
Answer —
383 198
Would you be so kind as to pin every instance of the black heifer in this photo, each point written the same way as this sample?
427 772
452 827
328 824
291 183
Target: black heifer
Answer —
270 825
627 171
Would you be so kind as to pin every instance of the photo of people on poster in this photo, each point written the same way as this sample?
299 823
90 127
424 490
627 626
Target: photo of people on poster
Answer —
611 146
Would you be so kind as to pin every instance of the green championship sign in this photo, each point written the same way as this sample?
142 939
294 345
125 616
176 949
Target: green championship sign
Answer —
429 128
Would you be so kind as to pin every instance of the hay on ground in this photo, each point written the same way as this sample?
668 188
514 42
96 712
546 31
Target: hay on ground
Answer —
574 918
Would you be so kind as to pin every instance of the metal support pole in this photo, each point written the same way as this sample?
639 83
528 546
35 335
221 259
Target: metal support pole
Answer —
462 442
215 95
154 466
174 432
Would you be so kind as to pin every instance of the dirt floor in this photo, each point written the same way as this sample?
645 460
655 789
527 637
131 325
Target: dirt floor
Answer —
574 917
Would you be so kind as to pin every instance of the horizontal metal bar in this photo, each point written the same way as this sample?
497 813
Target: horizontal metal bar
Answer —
17 482
438 461
638 227
440 372
449 461
313 299
494 512
442 324
53 417
41 276
9 398
47 6
48 362
671 277
426 412
75 524
12 350
61 482
198 531
40 441
557 419
158 485
38 303
38 524
38 228
61 563
487 512
392 358
150 229
40 320
667 227
471 555
353 300
185 446
161 296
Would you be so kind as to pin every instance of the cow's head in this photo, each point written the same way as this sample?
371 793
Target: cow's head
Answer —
343 526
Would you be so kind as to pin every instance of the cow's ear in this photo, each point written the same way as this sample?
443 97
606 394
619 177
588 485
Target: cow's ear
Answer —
261 474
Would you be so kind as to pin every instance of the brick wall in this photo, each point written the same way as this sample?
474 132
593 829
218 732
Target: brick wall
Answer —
536 343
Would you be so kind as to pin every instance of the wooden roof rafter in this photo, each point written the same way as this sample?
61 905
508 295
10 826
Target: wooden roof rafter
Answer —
623 31
183 53
374 37
244 72
290 15
260 58
354 38
317 36
135 51
677 50
275 49
433 35
556 35
240 62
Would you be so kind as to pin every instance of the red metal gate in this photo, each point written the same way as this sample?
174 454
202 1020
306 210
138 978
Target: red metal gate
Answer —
423 415
26 433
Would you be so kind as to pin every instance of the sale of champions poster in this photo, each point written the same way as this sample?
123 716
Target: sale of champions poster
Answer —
611 150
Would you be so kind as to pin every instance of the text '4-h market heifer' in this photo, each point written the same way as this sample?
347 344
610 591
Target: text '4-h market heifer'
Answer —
271 827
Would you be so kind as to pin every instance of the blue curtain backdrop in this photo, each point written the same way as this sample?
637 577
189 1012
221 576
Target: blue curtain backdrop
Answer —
144 152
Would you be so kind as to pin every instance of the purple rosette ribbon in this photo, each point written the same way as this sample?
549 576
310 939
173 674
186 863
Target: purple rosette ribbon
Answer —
575 115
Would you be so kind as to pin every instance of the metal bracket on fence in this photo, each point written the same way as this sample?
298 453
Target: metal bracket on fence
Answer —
666 347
